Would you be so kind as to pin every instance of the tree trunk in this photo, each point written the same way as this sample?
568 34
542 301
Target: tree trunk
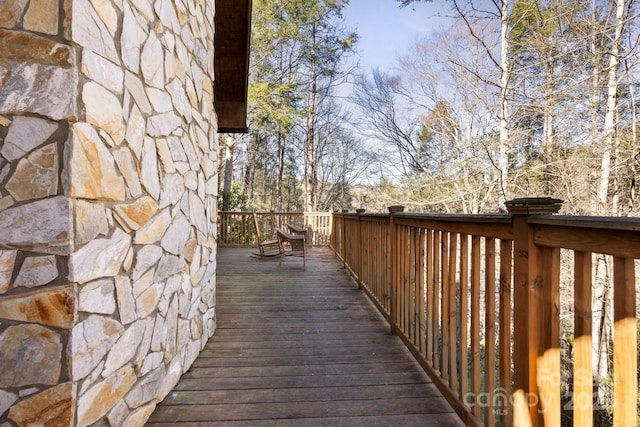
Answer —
311 175
634 140
610 117
503 159
249 172
228 146
280 178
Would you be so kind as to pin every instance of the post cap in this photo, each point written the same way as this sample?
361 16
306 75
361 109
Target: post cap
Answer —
534 205
396 208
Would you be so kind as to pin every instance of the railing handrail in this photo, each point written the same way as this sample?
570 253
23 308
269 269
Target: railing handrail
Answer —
237 228
419 269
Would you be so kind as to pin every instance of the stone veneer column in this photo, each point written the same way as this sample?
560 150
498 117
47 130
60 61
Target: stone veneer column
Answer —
107 205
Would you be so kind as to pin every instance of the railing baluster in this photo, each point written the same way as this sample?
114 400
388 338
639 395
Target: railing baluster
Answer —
475 325
506 259
625 347
464 316
451 312
490 331
430 297
546 289
421 293
436 301
446 308
582 345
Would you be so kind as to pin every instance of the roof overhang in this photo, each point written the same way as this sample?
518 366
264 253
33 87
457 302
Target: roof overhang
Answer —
231 64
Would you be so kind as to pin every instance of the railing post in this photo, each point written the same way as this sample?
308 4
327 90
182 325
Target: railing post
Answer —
526 331
272 217
393 259
360 256
344 239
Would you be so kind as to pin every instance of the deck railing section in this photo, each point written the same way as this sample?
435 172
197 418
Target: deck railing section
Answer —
237 229
476 300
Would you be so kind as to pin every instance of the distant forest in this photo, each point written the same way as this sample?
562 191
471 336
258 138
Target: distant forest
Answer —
515 98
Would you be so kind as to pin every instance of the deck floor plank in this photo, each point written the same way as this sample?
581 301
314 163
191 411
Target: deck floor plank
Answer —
300 348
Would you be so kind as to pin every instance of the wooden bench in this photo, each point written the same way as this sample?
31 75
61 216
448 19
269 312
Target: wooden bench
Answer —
298 231
292 245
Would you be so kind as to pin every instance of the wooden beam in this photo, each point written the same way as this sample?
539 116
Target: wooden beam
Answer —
231 64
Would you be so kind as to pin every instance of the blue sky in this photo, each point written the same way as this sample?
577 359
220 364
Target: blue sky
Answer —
386 31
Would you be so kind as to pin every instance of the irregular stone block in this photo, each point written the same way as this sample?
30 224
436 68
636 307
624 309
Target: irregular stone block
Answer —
143 350
47 90
126 303
27 47
108 14
152 62
85 266
172 190
177 151
148 300
137 214
136 89
151 362
98 297
42 17
37 271
89 31
91 221
50 234
197 213
146 257
128 169
10 12
149 166
153 231
7 262
174 372
51 307
140 415
90 341
124 349
176 236
160 100
102 71
6 400
52 407
133 35
165 156
101 397
36 177
171 331
30 354
167 14
163 124
25 134
103 110
92 170
145 9
146 389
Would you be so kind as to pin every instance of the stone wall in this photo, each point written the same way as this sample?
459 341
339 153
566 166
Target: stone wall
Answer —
107 205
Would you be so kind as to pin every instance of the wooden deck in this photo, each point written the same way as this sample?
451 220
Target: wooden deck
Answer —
300 348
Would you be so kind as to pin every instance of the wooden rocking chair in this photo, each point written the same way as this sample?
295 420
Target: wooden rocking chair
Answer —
292 245
268 248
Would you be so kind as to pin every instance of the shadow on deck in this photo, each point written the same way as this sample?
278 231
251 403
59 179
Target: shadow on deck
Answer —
296 348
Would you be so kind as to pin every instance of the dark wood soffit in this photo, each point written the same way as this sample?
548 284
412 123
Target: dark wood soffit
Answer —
231 64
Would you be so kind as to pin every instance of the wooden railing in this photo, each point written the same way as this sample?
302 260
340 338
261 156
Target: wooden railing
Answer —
476 298
237 229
